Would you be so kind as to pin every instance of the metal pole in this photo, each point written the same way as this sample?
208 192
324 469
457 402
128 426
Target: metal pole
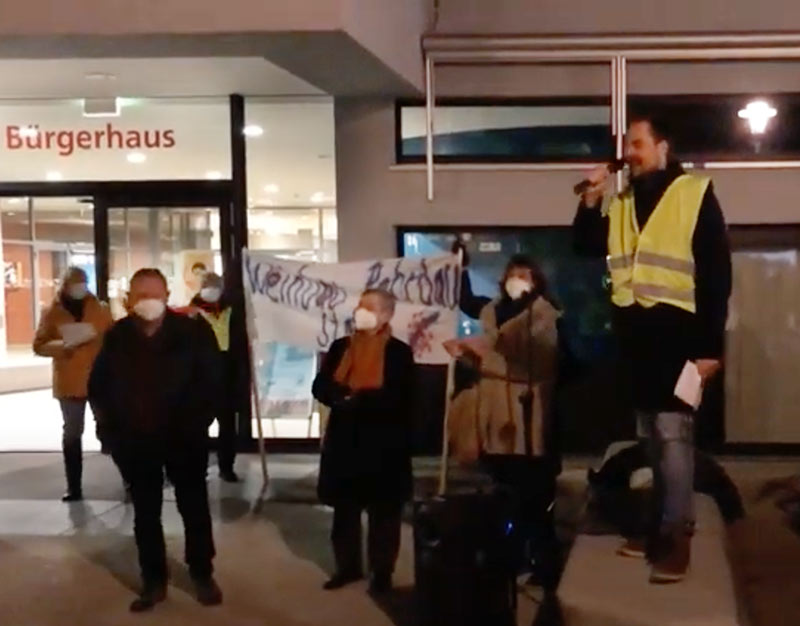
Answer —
596 55
614 103
622 73
429 104
621 115
438 42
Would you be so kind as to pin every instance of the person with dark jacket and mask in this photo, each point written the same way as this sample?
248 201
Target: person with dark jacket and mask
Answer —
153 388
213 306
366 379
667 248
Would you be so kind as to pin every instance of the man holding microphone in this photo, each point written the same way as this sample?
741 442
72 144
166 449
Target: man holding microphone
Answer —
666 244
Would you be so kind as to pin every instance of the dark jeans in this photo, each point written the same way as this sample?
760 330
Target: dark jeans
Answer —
383 537
142 466
669 437
73 410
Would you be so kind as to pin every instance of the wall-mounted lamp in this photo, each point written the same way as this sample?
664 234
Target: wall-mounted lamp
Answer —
758 113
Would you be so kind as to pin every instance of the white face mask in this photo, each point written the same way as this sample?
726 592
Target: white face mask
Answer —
77 291
211 294
365 319
517 287
150 309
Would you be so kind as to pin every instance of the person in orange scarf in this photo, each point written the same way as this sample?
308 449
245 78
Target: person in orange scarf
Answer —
366 379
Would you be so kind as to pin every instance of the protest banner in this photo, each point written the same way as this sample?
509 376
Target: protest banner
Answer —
311 304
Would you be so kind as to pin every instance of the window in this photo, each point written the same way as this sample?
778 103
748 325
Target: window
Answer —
291 188
562 130
709 127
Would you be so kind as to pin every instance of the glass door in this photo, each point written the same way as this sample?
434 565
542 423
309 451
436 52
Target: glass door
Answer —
182 242
40 237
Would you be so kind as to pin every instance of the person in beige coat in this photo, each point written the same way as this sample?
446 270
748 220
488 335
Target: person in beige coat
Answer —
71 332
515 365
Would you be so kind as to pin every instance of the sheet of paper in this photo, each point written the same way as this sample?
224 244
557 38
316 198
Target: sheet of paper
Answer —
77 334
689 387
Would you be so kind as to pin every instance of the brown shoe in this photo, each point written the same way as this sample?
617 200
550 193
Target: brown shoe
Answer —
633 548
673 565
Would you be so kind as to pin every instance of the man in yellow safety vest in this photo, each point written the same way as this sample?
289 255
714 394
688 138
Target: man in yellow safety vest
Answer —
667 250
211 305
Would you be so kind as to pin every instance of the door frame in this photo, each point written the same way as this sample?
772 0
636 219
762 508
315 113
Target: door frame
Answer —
107 195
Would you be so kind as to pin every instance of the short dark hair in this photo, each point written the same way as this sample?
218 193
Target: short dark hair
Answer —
658 125
539 277
149 272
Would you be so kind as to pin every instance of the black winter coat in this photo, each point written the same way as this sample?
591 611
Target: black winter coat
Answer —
366 450
171 401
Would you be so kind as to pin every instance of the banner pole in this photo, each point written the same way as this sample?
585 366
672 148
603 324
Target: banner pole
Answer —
449 387
249 314
262 452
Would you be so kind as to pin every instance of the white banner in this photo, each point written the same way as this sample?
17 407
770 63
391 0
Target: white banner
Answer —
312 304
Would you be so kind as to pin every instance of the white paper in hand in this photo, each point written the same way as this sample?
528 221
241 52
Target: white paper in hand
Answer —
689 387
77 334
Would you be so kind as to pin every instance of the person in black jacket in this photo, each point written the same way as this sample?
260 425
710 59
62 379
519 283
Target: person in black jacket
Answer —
366 379
214 306
153 390
656 337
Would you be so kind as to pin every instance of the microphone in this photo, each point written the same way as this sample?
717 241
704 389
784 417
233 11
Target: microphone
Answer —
615 166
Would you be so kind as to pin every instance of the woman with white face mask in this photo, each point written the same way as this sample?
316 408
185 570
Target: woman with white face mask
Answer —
366 380
504 418
71 332
212 305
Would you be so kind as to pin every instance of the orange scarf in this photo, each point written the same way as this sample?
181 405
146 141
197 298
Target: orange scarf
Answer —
362 364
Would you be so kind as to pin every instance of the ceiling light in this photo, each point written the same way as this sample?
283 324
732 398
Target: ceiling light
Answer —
54 176
136 157
214 175
272 188
99 76
28 131
15 200
101 107
318 197
253 130
758 113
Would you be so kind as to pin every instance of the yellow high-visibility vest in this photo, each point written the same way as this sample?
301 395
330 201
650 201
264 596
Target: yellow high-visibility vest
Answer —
221 325
655 265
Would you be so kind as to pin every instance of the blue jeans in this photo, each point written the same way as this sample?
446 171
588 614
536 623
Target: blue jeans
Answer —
669 439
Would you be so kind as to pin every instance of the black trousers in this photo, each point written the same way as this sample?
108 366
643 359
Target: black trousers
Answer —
226 419
226 439
383 537
142 466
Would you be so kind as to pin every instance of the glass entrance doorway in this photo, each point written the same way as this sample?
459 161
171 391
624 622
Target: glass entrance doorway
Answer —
40 237
183 243
110 230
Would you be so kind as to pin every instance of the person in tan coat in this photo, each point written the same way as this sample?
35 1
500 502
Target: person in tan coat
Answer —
71 332
503 420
